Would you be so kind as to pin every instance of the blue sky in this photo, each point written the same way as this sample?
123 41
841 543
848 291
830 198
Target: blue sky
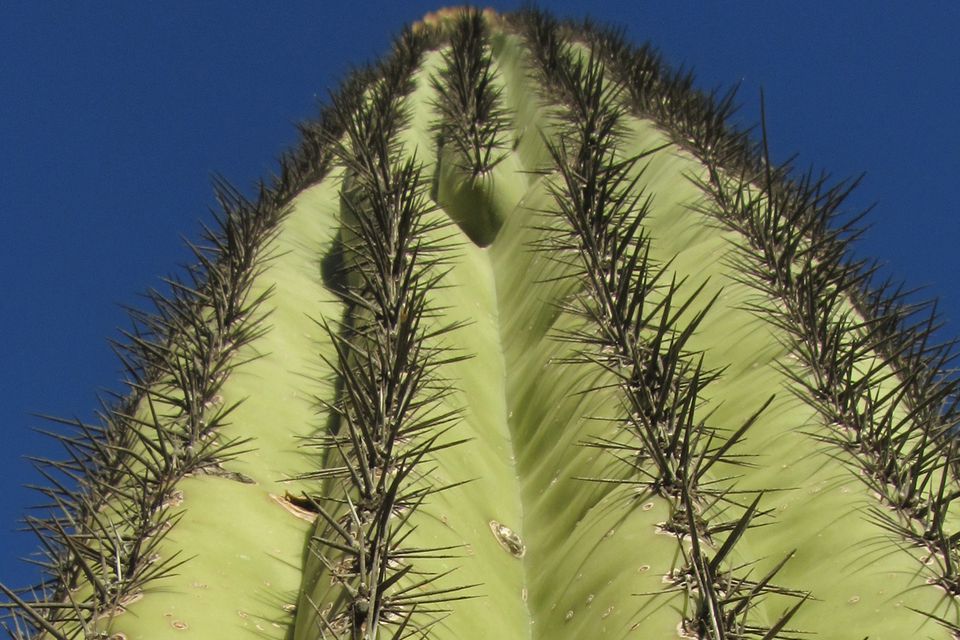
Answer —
114 115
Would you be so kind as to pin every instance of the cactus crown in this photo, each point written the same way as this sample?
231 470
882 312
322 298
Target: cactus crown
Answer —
524 341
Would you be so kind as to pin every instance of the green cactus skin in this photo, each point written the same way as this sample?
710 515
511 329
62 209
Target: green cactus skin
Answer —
524 342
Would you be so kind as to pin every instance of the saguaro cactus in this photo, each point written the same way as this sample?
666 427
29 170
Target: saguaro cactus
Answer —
523 342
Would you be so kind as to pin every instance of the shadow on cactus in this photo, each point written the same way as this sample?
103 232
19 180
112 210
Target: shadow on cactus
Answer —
524 342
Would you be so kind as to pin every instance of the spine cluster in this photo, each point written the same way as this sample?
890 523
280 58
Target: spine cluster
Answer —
472 118
869 363
862 377
114 498
631 329
390 413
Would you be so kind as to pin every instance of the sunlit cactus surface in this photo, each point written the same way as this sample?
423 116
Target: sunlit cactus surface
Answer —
523 342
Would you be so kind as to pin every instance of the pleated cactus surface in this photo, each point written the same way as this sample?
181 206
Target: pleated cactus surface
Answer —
523 342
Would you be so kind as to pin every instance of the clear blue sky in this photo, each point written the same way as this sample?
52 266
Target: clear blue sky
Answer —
114 115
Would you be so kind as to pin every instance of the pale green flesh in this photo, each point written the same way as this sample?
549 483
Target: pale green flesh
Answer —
591 548
247 549
852 567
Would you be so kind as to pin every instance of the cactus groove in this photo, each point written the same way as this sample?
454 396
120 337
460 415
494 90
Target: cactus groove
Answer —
524 341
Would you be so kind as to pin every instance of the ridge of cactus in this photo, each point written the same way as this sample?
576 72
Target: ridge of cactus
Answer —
524 341
602 207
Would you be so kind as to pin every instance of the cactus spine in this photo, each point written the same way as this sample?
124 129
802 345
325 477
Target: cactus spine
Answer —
523 342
